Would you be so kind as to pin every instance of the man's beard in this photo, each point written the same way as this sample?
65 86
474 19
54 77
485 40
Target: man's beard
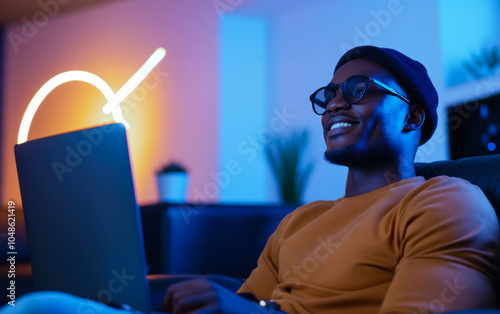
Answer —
357 155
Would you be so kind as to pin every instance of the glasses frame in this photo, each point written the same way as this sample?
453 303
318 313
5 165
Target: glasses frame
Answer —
367 79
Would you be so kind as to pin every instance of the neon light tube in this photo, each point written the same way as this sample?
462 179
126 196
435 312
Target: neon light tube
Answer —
114 100
135 80
49 86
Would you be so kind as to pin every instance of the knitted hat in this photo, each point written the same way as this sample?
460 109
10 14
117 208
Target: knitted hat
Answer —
411 74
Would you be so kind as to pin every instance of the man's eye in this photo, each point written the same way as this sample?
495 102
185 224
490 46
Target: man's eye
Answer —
358 91
328 93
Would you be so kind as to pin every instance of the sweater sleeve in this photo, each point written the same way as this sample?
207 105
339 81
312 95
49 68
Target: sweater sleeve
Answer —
448 244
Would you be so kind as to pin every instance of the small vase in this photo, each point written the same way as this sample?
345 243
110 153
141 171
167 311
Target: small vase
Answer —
172 187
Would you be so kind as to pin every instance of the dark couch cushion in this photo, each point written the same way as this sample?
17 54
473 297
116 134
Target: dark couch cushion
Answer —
218 239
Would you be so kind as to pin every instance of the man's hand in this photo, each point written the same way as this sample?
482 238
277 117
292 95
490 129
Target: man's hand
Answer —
194 296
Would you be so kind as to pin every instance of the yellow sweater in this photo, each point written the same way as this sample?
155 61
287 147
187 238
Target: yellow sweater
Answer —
414 246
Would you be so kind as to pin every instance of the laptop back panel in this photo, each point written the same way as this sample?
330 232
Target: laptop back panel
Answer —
82 219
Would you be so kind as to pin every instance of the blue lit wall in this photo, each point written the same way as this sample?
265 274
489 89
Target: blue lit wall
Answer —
276 53
466 27
242 175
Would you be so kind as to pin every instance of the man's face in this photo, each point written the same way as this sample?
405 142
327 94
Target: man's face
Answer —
369 131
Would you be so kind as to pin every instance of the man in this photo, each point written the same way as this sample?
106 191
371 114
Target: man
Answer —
394 243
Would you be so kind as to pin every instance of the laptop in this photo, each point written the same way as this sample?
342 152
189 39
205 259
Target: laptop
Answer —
82 219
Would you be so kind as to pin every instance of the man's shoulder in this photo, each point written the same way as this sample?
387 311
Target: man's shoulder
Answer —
443 195
447 179
444 209
450 184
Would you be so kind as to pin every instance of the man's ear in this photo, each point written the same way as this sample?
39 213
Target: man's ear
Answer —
414 118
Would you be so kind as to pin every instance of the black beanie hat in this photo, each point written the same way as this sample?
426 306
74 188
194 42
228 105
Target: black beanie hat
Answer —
411 74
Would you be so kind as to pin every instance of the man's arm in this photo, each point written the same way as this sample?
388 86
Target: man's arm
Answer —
194 296
264 278
449 252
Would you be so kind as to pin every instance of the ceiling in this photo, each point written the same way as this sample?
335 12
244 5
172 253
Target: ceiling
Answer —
13 11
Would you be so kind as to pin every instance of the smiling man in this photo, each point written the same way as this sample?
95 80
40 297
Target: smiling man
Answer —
395 243
371 127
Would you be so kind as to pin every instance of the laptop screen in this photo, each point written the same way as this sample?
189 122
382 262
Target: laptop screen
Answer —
82 220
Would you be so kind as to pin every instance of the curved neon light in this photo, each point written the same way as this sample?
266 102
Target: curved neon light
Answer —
49 86
113 105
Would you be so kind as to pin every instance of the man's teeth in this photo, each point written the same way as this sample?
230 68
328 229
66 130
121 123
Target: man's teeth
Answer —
340 124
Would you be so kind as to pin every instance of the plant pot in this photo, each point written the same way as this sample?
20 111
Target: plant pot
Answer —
173 186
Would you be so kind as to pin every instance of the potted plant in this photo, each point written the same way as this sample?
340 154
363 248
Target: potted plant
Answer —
285 158
173 181
483 65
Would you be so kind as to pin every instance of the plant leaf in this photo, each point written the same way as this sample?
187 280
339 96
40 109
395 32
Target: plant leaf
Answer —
284 155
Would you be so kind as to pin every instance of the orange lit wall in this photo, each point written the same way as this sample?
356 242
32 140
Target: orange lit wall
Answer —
173 113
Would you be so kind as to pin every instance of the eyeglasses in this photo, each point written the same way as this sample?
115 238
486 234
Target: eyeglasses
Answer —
353 90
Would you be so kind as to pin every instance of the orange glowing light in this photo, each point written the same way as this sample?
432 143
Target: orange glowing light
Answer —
114 100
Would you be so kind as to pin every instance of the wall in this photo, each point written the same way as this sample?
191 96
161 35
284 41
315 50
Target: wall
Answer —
307 39
243 111
465 31
173 114
231 70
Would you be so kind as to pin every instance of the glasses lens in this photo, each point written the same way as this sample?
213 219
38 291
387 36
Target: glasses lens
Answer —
321 99
354 89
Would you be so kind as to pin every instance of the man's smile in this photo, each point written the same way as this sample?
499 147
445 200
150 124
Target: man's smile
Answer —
340 123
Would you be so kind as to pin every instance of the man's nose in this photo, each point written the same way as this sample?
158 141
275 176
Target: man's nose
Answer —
337 104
